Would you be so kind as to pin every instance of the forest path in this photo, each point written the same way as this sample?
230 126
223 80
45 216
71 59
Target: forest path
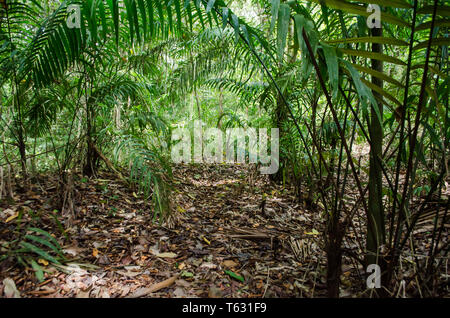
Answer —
229 237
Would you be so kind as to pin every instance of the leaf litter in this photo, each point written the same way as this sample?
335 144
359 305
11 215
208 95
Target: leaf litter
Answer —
225 238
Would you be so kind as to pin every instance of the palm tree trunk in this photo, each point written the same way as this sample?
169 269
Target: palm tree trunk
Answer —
375 222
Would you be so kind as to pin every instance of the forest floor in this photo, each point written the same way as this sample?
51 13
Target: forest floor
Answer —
230 236
232 233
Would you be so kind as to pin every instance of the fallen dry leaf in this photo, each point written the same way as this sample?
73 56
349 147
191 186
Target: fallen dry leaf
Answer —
166 255
230 264
10 289
12 217
215 292
43 262
154 288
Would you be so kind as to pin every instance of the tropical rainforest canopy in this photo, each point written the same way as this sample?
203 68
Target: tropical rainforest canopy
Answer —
95 203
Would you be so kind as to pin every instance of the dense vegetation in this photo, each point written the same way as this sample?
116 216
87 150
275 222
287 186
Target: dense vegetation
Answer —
363 113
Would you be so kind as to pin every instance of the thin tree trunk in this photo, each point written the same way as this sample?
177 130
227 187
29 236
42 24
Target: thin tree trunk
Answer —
91 155
334 257
375 222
